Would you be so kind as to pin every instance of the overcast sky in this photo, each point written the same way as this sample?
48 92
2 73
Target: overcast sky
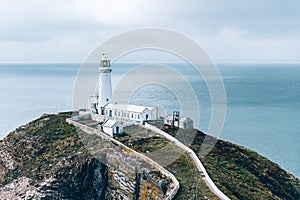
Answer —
229 30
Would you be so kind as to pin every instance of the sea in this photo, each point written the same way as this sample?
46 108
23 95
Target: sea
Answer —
262 100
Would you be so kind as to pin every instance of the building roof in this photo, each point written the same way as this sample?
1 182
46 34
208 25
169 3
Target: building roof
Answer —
110 123
128 107
169 117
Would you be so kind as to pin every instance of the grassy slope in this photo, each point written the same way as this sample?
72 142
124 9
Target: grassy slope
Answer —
244 174
42 143
183 168
237 171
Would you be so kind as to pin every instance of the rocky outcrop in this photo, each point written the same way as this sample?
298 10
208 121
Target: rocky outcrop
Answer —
134 175
51 159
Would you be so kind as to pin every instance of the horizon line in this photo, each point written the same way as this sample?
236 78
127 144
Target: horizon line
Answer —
171 62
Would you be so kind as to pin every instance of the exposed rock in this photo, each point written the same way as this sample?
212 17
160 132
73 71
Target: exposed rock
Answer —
50 159
19 189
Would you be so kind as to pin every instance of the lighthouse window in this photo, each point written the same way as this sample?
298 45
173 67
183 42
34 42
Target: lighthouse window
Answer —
107 99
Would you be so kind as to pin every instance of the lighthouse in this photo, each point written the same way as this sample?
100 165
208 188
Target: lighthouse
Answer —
105 91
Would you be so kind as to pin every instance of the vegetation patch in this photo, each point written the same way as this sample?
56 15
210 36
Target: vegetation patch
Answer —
183 168
241 173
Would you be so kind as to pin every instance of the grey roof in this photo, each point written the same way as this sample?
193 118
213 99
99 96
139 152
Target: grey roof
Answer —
111 123
130 108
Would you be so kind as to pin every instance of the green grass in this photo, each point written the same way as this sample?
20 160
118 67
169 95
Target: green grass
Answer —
243 174
179 163
42 144
239 172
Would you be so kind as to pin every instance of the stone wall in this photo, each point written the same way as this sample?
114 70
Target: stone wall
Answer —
131 174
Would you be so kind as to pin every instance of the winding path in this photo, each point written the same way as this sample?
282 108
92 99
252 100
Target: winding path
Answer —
76 122
194 157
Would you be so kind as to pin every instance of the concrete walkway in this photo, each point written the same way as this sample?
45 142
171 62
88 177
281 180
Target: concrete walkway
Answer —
194 157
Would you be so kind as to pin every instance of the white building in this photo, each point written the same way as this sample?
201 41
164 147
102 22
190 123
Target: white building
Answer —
184 122
105 91
112 127
101 104
131 112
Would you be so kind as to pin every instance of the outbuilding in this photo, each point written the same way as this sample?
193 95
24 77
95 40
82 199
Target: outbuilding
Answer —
131 112
184 122
112 127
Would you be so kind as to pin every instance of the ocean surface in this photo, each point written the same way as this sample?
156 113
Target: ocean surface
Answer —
263 101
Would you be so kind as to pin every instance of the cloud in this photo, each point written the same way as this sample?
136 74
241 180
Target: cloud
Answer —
231 44
110 13
227 28
41 19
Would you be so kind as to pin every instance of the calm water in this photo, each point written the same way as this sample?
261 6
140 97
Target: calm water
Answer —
263 102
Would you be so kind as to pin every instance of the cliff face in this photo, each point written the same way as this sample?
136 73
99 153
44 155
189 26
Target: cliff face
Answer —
46 159
50 159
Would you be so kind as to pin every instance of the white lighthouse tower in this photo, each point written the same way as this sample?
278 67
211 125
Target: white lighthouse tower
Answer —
105 90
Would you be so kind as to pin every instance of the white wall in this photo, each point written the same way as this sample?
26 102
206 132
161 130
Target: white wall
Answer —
108 131
105 91
135 116
154 114
146 112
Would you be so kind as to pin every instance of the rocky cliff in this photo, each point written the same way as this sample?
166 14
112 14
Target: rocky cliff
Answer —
51 159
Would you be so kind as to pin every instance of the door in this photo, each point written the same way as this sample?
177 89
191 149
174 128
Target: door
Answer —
110 113
117 130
